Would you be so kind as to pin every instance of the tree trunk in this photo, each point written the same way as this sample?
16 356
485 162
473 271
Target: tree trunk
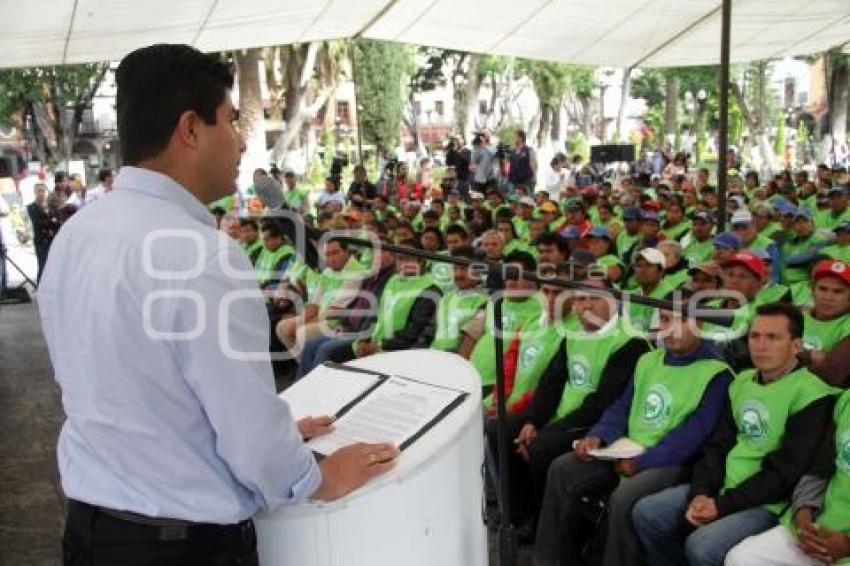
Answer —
759 132
252 122
671 108
838 97
624 97
555 132
472 88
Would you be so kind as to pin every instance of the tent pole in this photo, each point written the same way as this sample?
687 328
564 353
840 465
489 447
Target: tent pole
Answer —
356 103
722 165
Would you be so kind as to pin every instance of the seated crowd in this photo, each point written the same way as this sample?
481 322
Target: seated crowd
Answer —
728 442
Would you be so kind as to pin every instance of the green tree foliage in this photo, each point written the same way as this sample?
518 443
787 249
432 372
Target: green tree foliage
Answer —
58 95
779 140
381 90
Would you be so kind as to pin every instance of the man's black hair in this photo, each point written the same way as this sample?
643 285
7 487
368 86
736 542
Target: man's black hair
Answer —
249 222
104 174
334 240
430 215
523 258
553 239
272 228
457 229
792 314
467 252
156 85
436 232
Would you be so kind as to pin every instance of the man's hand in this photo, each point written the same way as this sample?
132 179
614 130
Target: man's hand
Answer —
701 511
526 436
311 427
585 444
352 466
366 348
821 543
626 467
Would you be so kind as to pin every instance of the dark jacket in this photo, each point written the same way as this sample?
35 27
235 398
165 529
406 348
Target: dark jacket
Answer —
45 223
421 325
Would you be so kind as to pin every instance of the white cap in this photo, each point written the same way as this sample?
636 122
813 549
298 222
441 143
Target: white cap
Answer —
528 201
652 256
742 217
475 195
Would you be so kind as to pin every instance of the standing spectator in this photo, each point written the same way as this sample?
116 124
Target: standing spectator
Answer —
481 164
360 186
523 164
295 198
105 179
45 224
460 157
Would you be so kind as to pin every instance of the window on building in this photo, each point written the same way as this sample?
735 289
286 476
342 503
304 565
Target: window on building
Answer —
482 107
417 108
440 108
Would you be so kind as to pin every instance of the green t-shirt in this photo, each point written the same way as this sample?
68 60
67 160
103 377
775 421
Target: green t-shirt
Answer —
587 355
397 299
824 334
515 315
761 412
665 395
455 309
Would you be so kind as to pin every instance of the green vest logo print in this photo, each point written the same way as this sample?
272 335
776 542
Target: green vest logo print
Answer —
842 456
656 405
753 421
579 372
529 356
812 343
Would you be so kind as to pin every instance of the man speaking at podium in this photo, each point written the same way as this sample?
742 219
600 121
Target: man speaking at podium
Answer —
158 335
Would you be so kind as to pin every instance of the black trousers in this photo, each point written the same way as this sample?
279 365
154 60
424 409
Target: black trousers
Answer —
93 538
42 248
528 478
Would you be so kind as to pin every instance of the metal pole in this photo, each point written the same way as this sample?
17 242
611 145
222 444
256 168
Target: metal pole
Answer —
356 103
722 166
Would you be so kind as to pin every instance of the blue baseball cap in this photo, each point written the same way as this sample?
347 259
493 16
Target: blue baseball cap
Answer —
631 213
785 207
802 212
599 232
649 215
704 215
570 233
727 240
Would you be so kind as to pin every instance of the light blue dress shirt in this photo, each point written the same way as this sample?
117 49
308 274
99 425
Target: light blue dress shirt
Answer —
159 339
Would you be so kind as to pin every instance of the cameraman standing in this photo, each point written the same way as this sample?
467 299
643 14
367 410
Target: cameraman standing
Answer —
481 163
459 156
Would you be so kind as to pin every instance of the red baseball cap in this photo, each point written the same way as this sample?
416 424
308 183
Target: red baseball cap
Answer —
752 263
832 268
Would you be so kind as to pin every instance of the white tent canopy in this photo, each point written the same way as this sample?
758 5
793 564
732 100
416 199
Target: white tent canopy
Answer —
596 32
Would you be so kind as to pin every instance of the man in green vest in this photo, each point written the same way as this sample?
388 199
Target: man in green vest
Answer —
667 411
456 237
799 251
522 305
249 236
768 437
588 371
649 275
816 529
406 311
838 211
699 245
295 198
552 249
828 322
336 287
493 245
273 259
630 235
840 248
458 306
744 226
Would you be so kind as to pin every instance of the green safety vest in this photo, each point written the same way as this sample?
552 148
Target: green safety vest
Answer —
330 281
791 275
639 317
522 228
675 280
665 395
761 412
251 249
760 242
770 230
516 245
677 231
515 315
771 293
538 344
587 355
455 309
824 334
837 251
826 219
397 299
741 319
625 241
295 198
268 260
835 513
697 252
443 273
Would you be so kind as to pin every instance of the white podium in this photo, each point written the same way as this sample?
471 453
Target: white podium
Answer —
427 511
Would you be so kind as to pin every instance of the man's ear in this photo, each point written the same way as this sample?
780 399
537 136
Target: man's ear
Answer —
186 130
797 345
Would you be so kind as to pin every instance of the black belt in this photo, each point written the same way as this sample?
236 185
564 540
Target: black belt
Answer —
162 528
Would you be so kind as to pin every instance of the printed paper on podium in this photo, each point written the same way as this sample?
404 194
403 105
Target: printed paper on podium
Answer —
328 390
399 410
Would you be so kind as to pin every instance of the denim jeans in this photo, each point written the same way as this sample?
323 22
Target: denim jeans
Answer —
668 538
317 351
